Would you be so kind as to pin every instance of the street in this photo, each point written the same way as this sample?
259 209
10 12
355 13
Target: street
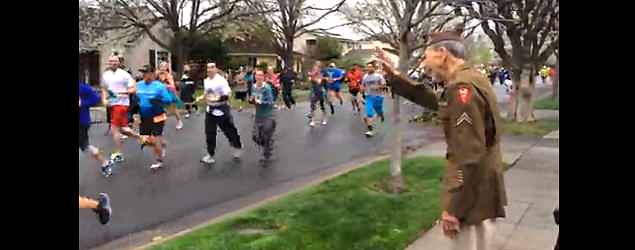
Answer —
143 199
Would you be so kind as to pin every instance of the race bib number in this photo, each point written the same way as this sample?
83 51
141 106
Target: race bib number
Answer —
217 112
160 118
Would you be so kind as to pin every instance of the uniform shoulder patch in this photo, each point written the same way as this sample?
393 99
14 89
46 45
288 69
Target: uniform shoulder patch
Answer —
464 94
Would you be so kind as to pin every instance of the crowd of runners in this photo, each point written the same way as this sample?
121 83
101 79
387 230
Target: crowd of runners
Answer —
138 108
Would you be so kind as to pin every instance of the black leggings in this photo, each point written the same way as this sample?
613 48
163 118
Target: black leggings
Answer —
226 124
287 96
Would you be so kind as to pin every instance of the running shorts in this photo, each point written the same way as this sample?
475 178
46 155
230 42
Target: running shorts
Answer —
374 104
151 128
119 115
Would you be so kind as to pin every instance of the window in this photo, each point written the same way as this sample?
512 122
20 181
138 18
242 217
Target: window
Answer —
311 42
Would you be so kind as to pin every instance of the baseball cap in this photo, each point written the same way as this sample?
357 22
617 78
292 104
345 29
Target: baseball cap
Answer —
146 69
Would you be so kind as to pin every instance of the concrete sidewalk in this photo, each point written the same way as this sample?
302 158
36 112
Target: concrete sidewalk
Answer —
533 192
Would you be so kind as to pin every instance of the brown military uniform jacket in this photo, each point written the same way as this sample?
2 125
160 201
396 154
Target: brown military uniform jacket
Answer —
473 189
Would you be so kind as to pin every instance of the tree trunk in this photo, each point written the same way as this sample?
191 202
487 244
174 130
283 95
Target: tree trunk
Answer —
397 183
181 53
556 79
288 54
526 96
512 114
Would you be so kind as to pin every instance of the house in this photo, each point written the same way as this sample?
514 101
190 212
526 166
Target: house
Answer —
136 50
307 42
251 52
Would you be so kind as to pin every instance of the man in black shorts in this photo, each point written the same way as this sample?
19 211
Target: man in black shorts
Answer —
188 87
153 96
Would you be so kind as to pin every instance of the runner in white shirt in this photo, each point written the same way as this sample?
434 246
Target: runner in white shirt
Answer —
116 85
216 94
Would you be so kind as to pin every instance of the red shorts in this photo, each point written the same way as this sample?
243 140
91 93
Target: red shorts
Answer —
119 115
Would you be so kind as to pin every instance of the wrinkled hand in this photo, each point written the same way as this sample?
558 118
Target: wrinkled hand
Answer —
387 64
450 225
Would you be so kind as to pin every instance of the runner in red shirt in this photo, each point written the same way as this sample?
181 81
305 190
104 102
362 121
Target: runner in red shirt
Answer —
354 78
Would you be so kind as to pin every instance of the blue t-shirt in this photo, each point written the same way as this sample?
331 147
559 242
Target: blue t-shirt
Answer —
88 98
336 73
146 92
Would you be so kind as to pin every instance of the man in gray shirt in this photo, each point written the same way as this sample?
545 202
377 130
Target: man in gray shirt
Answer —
373 84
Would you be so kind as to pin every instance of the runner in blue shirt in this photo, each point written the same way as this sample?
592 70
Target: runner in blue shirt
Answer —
335 77
153 96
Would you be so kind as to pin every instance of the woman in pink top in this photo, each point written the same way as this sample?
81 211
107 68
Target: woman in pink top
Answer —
274 79
166 77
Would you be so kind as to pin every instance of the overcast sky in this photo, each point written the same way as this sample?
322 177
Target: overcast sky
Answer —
335 19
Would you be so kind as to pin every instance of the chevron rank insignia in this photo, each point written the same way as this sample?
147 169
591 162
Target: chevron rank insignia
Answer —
463 118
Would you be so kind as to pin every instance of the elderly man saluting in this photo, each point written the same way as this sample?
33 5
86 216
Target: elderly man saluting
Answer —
473 191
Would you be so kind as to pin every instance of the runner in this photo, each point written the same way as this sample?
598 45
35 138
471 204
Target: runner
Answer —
187 92
317 96
116 86
165 75
274 80
101 207
354 78
335 84
264 122
240 87
217 93
287 78
153 95
87 99
372 84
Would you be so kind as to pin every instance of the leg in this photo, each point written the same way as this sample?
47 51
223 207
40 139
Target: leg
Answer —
175 111
322 107
378 105
465 239
485 234
269 128
87 203
331 96
210 133
370 113
229 129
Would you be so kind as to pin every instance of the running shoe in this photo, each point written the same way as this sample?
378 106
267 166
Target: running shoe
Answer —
179 125
117 157
369 133
187 116
312 124
208 159
123 137
103 210
106 169
324 122
156 165
238 153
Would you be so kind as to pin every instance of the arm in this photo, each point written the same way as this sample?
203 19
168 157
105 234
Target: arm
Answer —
90 97
466 148
132 85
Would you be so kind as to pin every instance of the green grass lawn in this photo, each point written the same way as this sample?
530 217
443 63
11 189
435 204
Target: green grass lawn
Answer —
548 103
538 128
348 212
